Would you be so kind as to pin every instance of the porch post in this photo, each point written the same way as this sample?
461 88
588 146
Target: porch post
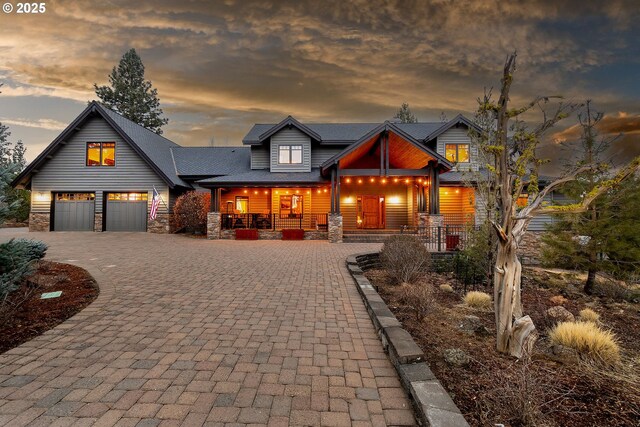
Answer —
434 190
337 210
333 197
214 218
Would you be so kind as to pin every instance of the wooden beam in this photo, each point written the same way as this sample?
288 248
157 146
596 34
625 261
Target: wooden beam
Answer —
338 188
333 197
390 172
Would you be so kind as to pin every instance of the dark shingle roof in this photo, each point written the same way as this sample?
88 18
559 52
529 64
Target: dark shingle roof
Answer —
202 161
347 132
264 176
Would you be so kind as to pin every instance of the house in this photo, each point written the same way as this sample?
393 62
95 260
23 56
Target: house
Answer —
326 178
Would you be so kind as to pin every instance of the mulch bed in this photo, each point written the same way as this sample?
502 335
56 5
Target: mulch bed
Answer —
34 316
495 388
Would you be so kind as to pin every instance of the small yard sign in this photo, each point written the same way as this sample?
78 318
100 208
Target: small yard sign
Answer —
48 295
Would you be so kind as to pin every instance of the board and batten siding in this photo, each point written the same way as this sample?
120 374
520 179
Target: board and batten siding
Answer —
291 137
459 136
67 172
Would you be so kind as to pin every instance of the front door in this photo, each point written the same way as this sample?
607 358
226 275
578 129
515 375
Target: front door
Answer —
371 212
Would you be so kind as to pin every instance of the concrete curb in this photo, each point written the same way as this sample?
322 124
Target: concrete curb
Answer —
433 405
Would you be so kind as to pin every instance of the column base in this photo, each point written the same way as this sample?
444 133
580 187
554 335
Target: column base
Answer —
214 225
335 228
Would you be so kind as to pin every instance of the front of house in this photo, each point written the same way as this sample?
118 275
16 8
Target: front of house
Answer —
328 179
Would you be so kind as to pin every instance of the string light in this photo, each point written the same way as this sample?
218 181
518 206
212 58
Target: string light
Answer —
395 180
255 192
266 192
372 180
384 180
245 191
348 180
325 190
406 181
359 181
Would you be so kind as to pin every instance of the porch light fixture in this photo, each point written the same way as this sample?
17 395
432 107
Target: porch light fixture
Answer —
383 180
266 192
359 181
319 191
245 191
308 191
348 199
325 190
41 197
457 191
372 180
348 180
395 180
277 192
406 181
255 192
394 200
420 180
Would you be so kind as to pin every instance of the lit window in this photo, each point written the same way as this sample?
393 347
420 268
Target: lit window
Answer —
131 197
242 204
101 154
522 201
290 154
291 206
457 153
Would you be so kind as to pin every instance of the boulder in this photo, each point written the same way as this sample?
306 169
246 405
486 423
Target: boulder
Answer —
559 314
456 357
472 326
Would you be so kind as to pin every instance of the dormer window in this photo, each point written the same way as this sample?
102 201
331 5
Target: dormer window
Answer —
101 153
457 153
290 154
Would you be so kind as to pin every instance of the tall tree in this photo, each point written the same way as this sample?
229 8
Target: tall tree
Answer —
131 95
405 115
12 202
515 171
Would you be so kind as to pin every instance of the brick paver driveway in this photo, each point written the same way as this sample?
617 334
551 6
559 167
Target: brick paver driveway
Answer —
193 332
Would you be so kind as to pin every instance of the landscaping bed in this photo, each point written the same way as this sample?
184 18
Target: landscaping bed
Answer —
32 315
546 389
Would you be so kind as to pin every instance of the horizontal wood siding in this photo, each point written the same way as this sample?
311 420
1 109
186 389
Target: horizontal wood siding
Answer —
397 213
540 223
320 154
258 203
459 136
67 170
259 157
291 137
457 200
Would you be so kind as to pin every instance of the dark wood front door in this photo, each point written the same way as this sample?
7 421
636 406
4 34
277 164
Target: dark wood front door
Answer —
371 211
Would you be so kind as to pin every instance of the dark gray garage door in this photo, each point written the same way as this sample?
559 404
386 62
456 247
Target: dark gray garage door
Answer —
74 211
126 212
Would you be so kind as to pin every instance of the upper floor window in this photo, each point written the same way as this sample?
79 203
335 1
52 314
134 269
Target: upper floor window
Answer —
457 153
101 153
290 154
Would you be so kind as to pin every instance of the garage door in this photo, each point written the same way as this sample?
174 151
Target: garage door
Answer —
126 212
74 211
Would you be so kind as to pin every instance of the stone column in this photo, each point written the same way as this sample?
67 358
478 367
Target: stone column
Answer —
97 224
422 219
214 225
335 228
39 221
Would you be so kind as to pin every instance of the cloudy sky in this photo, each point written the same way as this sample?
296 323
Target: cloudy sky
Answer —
221 66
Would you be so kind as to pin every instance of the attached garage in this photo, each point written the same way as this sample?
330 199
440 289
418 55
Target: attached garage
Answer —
126 211
74 211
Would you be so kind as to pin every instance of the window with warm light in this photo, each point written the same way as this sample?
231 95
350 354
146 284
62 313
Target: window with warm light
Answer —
290 154
291 206
130 197
101 154
242 204
457 153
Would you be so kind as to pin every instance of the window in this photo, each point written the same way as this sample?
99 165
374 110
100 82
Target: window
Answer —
242 204
290 154
75 196
101 153
457 153
291 206
128 197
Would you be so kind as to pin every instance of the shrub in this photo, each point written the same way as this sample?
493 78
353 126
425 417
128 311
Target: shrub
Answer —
589 315
190 211
588 339
16 259
405 258
419 297
477 299
446 288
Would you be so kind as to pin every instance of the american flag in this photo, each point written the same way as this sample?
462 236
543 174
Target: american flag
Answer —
155 202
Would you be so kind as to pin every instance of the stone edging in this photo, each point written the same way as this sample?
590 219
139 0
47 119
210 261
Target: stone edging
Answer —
433 405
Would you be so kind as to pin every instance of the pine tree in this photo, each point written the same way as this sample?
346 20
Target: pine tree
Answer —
405 115
131 95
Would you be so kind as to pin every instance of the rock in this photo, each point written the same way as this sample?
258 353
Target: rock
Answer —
558 299
563 354
472 326
559 314
456 357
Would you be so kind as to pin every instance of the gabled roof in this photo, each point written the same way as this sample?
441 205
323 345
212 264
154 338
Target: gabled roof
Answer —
154 149
387 126
288 122
211 161
459 119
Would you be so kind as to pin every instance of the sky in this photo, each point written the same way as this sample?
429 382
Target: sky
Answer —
221 66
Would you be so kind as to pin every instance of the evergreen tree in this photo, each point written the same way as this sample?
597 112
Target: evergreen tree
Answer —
131 95
405 115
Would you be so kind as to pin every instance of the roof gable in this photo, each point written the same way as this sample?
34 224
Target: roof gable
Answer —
288 122
459 119
151 147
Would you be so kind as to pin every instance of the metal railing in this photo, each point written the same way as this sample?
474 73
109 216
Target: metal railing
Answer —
312 221
441 238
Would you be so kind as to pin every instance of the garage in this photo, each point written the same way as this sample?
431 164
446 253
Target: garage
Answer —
74 211
126 212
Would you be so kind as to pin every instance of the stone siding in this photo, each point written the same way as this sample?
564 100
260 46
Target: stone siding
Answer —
97 222
160 225
39 222
335 228
530 248
277 235
214 224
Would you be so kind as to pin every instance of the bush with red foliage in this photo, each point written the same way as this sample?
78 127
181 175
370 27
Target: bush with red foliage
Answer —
190 212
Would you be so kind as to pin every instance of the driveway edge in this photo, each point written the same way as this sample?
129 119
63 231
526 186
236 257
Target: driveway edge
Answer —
433 405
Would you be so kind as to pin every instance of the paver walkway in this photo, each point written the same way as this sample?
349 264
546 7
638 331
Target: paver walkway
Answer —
195 332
